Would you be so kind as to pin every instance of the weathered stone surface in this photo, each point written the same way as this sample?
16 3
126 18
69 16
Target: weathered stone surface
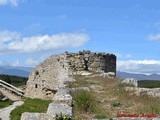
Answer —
62 96
132 81
47 80
51 74
36 116
78 89
86 73
154 92
55 108
109 74
96 88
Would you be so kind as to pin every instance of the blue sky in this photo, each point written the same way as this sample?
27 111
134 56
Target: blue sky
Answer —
32 30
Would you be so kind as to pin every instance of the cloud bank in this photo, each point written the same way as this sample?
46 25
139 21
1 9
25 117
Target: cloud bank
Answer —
15 42
154 37
9 2
139 66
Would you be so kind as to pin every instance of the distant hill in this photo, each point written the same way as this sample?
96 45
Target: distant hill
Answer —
24 72
138 76
17 71
14 80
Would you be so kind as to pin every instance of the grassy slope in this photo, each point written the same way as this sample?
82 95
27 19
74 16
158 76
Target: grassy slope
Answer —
4 104
30 105
109 92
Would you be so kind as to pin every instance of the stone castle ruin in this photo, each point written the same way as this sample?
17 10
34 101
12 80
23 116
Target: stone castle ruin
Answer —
48 80
50 75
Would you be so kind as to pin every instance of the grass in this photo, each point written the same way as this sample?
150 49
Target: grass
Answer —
6 103
83 101
30 105
111 92
80 82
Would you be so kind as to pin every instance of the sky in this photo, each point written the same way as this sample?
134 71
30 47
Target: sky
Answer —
32 30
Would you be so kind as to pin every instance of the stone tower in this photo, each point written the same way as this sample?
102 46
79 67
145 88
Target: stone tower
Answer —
47 77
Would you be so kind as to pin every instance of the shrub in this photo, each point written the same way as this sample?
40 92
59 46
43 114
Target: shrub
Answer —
63 117
83 101
116 104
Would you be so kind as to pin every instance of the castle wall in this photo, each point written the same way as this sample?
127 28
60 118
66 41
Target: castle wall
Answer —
94 62
47 77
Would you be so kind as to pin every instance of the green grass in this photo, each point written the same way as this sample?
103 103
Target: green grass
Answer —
149 83
83 101
6 103
30 105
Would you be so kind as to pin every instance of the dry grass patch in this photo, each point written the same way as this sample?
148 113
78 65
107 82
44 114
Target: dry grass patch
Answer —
112 98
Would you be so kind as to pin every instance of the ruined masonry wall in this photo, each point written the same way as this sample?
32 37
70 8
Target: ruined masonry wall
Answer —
91 61
46 78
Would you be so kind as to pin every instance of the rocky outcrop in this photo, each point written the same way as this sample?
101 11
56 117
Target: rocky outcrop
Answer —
131 81
154 92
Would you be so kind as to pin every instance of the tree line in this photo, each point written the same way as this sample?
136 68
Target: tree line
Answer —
14 80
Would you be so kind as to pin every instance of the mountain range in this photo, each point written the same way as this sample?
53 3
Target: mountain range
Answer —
138 76
17 71
24 72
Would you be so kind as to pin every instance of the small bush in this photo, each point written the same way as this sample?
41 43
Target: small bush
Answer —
116 104
83 101
63 117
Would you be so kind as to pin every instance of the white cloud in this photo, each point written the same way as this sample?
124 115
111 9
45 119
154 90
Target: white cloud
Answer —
29 62
10 2
154 37
15 42
139 66
128 56
33 61
6 36
16 63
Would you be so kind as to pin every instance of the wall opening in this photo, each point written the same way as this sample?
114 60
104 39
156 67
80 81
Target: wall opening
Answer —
36 86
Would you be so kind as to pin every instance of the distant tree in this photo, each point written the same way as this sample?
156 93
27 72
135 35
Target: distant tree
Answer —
14 80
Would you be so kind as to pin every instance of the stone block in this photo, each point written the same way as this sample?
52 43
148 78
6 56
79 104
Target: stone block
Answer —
63 97
55 108
36 116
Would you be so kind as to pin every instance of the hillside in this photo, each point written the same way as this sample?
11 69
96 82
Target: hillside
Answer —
17 71
138 76
14 80
107 98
